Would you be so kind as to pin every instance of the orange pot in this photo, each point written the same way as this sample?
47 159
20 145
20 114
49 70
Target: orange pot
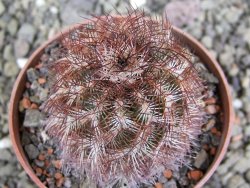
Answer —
193 44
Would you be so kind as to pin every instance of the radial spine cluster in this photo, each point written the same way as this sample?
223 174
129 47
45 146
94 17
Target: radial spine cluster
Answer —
125 101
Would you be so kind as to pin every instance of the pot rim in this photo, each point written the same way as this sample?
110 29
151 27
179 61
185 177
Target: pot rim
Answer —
190 41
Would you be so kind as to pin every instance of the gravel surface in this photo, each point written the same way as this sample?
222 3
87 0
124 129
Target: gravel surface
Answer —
223 26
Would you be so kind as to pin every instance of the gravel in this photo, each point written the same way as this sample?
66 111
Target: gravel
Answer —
225 22
33 118
2 8
27 32
31 151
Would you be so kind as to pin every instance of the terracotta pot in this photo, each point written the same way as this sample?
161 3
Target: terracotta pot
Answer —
193 44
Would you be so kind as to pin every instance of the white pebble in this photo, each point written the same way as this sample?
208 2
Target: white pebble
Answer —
40 3
237 103
137 3
53 10
21 62
5 143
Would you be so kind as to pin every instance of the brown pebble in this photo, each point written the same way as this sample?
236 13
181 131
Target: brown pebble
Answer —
58 175
57 164
41 157
205 147
39 171
34 106
38 66
195 175
47 163
27 85
212 150
26 103
218 133
210 100
212 109
158 185
214 130
41 80
59 182
50 151
168 174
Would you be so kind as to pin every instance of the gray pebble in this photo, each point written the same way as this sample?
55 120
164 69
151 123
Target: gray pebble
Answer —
207 41
7 170
33 118
32 74
5 155
8 53
12 26
201 157
235 181
248 175
229 162
21 47
242 165
27 32
215 140
31 151
10 69
247 130
2 7
39 163
170 184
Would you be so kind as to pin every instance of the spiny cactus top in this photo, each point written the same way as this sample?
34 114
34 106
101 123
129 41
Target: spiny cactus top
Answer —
126 101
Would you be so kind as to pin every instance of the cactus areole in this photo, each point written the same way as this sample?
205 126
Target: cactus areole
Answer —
125 101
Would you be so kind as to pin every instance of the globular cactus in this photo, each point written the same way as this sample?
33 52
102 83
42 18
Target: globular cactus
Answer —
126 101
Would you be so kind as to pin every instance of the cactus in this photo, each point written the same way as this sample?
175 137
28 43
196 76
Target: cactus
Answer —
126 100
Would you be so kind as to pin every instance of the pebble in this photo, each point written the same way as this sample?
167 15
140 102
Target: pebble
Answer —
32 74
248 175
58 175
207 41
26 103
168 174
2 7
7 170
10 69
32 151
158 185
5 155
229 162
235 181
170 184
33 118
226 59
212 109
8 53
12 26
242 165
21 48
5 142
209 125
247 130
201 157
195 175
39 163
27 32
21 62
